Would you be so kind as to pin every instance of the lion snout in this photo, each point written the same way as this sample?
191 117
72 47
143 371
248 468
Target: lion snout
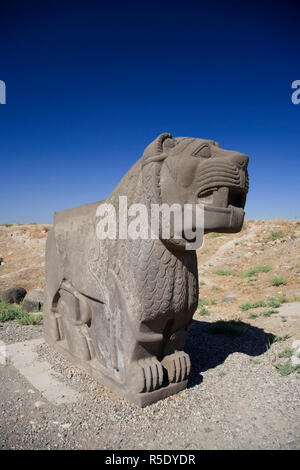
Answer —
240 160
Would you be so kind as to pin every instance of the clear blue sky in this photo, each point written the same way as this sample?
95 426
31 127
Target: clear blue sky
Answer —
91 83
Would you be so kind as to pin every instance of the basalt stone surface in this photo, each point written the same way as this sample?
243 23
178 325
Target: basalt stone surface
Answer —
33 301
121 309
14 295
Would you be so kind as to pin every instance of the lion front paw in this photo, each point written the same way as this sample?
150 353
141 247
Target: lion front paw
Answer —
178 366
149 375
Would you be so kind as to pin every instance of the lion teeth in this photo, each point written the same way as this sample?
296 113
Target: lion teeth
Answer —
206 199
220 197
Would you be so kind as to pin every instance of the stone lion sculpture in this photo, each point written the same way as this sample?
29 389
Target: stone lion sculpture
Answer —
121 308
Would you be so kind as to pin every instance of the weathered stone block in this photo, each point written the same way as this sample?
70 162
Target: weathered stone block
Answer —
14 295
33 301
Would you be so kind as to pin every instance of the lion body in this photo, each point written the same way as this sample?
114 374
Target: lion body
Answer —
121 308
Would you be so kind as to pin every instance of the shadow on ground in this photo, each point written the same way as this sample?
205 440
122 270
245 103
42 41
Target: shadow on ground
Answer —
209 346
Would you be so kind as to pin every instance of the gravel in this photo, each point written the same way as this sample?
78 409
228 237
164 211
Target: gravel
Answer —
235 399
12 332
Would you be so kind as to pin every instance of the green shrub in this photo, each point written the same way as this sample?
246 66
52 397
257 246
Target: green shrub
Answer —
285 368
279 339
8 312
283 299
278 281
276 235
270 312
253 315
12 312
29 319
225 272
273 302
248 305
203 312
255 270
203 302
287 352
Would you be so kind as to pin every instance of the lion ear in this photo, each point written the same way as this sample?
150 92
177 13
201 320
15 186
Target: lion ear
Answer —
155 148
152 159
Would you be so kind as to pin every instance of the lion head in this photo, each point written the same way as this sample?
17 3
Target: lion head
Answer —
187 170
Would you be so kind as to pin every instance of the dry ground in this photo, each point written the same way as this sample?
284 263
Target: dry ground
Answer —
23 250
224 262
236 398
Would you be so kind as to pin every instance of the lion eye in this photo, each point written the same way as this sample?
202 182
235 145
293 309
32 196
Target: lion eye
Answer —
204 152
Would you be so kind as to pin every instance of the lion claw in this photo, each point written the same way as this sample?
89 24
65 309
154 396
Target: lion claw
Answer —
149 374
178 366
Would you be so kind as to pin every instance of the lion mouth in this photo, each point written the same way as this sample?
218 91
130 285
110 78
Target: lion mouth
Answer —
223 198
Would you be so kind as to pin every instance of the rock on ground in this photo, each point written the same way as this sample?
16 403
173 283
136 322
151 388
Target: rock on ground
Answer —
33 301
14 295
